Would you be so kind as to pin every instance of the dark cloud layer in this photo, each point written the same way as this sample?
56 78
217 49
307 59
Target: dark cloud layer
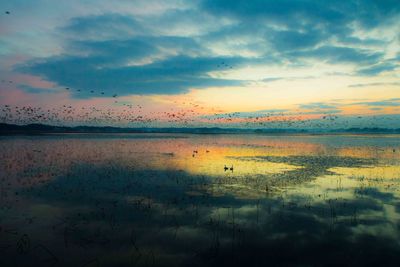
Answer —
169 76
128 55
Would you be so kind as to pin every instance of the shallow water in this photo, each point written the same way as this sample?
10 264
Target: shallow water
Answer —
166 200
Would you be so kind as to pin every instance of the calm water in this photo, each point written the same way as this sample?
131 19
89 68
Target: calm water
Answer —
166 200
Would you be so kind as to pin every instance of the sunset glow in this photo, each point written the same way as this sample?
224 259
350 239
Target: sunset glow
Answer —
201 63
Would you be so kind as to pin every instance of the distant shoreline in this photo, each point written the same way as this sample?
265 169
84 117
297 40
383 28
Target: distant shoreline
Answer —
42 129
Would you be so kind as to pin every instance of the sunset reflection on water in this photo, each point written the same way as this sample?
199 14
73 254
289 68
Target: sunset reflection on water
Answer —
166 200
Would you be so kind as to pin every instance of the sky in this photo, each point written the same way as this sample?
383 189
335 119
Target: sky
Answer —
257 64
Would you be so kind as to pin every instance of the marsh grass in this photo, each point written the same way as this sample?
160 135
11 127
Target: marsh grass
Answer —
81 204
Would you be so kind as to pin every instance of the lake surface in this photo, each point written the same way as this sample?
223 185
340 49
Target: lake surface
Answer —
166 200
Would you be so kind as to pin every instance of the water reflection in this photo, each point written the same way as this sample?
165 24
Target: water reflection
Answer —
151 200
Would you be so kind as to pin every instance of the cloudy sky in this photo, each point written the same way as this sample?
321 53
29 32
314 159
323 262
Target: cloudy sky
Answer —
243 63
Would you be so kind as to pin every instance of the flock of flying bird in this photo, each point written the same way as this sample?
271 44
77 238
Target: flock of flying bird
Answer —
187 114
190 113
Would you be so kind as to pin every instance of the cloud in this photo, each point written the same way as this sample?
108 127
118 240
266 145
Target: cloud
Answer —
394 102
169 76
301 30
336 54
273 10
137 62
373 84
377 69
323 111
317 105
102 27
272 79
296 13
320 108
275 110
36 90
171 50
291 40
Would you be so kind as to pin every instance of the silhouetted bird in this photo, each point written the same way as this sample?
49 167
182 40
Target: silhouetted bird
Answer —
225 168
7 12
231 168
